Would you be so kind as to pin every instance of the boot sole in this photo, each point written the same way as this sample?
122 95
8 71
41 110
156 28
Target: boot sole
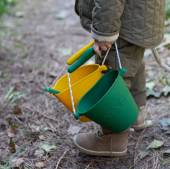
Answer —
100 153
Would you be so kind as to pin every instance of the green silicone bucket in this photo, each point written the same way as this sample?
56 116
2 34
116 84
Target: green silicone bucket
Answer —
109 103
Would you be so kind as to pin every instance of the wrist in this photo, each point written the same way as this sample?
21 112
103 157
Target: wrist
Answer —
101 38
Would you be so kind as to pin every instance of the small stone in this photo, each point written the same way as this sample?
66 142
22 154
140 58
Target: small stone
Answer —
41 137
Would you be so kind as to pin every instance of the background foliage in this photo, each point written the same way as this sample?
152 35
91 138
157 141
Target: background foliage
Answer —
5 4
167 9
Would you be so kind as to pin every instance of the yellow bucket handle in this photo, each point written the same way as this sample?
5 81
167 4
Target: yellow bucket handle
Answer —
78 54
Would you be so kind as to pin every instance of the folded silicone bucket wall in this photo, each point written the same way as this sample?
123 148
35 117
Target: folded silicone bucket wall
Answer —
61 84
109 103
82 80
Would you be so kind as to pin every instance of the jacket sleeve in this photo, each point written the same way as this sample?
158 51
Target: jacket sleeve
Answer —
83 9
106 19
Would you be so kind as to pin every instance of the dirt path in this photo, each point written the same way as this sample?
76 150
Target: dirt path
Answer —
40 35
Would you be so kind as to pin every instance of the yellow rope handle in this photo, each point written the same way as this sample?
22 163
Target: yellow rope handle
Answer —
77 55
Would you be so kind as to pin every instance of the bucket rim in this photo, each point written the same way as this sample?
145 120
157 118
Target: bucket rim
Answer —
57 80
83 113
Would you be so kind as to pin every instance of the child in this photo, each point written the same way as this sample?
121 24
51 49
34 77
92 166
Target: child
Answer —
135 25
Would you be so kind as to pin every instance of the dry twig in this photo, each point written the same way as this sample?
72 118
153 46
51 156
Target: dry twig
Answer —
156 163
88 165
136 148
58 163
159 61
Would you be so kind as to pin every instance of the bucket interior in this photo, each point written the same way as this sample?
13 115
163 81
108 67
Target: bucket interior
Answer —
96 93
84 71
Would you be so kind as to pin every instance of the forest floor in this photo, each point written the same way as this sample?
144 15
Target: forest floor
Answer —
36 130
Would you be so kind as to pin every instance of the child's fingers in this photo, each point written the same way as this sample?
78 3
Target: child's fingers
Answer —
100 48
97 49
103 47
109 45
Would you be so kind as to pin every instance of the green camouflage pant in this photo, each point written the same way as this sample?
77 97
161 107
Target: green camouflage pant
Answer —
132 59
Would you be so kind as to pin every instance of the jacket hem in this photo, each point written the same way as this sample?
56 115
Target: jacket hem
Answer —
143 45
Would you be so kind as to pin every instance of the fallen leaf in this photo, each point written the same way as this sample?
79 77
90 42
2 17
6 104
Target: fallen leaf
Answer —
5 167
166 161
61 15
52 74
47 147
167 133
166 90
152 93
155 144
143 154
166 153
163 80
19 14
39 153
17 162
165 123
40 164
73 129
41 137
150 85
150 89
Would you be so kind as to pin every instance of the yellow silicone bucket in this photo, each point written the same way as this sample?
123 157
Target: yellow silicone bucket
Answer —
83 79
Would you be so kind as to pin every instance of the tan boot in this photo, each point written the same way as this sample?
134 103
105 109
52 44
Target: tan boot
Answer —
141 122
99 144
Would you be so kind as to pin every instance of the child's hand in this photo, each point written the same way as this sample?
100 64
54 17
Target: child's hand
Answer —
101 47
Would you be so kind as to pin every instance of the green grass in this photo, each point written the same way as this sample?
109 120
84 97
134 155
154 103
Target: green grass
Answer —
13 96
4 5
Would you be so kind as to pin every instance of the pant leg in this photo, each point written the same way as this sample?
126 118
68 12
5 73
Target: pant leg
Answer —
132 59
138 88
